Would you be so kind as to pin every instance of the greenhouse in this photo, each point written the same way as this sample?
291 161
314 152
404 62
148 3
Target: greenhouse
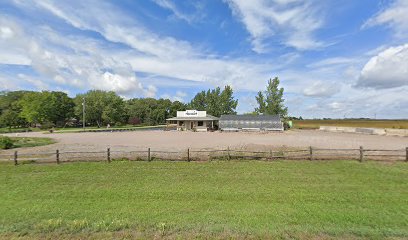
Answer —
250 123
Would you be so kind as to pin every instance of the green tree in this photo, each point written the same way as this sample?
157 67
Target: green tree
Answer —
228 103
153 111
215 101
176 106
31 108
9 118
271 101
101 107
10 109
47 107
199 102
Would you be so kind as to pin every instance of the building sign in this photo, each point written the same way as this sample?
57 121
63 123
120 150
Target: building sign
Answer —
191 113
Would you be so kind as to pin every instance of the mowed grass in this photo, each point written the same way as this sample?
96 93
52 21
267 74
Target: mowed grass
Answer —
314 124
281 199
104 128
20 142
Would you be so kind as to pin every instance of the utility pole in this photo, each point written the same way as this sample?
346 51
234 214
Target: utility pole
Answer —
83 114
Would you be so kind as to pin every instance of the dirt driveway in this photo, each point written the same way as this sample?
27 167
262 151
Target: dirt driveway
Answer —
177 141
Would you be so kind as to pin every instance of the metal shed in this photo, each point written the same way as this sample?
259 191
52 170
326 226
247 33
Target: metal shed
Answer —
250 123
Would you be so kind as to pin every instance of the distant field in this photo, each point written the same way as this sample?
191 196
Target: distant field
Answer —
282 199
314 124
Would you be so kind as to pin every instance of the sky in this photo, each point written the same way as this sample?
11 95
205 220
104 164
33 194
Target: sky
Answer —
334 58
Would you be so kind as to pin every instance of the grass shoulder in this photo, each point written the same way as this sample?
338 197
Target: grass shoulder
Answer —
24 142
102 129
220 199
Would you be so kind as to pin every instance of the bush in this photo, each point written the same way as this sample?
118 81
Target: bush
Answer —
134 121
6 143
46 126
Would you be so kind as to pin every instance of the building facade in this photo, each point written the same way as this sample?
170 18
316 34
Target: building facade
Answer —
193 120
251 123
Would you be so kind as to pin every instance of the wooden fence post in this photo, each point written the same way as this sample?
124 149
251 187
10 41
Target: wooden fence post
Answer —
229 155
15 158
406 154
188 154
148 155
57 155
109 155
271 154
310 153
361 153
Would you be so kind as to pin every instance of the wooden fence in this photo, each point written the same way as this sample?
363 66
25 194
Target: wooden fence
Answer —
360 154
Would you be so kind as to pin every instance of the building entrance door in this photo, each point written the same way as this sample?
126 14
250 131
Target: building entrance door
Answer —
192 125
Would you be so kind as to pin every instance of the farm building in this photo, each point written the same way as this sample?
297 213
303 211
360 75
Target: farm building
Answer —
250 123
193 120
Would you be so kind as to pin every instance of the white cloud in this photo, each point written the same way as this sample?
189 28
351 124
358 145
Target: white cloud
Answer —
168 4
149 53
388 69
321 89
151 91
292 22
82 62
179 96
66 60
395 16
7 85
331 61
38 84
6 32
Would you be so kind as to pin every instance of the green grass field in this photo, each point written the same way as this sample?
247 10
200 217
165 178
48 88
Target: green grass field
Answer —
20 142
282 199
78 129
314 124
17 130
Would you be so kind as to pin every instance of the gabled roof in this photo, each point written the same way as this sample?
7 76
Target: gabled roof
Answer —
275 118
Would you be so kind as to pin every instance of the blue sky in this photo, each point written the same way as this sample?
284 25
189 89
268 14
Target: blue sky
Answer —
334 58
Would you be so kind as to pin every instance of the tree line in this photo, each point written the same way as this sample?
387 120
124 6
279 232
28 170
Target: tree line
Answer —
55 108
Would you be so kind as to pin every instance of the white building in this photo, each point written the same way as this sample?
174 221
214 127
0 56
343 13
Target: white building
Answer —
193 120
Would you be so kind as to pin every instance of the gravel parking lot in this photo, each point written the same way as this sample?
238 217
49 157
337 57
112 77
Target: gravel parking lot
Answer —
179 141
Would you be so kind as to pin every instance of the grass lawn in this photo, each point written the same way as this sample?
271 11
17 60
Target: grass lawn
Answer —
314 124
281 199
17 130
20 142
73 130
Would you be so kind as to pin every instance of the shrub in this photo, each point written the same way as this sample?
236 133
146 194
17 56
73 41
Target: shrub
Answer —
46 126
134 121
6 143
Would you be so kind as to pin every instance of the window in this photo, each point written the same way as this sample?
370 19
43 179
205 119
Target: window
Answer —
200 123
181 123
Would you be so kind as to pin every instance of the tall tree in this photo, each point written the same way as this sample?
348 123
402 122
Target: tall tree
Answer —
199 102
271 101
10 109
215 101
177 106
101 107
152 111
47 107
228 103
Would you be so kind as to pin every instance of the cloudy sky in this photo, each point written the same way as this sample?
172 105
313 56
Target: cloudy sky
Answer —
334 58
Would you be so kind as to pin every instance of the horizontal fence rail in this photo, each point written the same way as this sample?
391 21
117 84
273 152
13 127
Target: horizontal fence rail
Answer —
190 154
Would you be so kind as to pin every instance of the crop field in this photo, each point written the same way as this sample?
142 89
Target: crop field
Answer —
245 199
314 124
